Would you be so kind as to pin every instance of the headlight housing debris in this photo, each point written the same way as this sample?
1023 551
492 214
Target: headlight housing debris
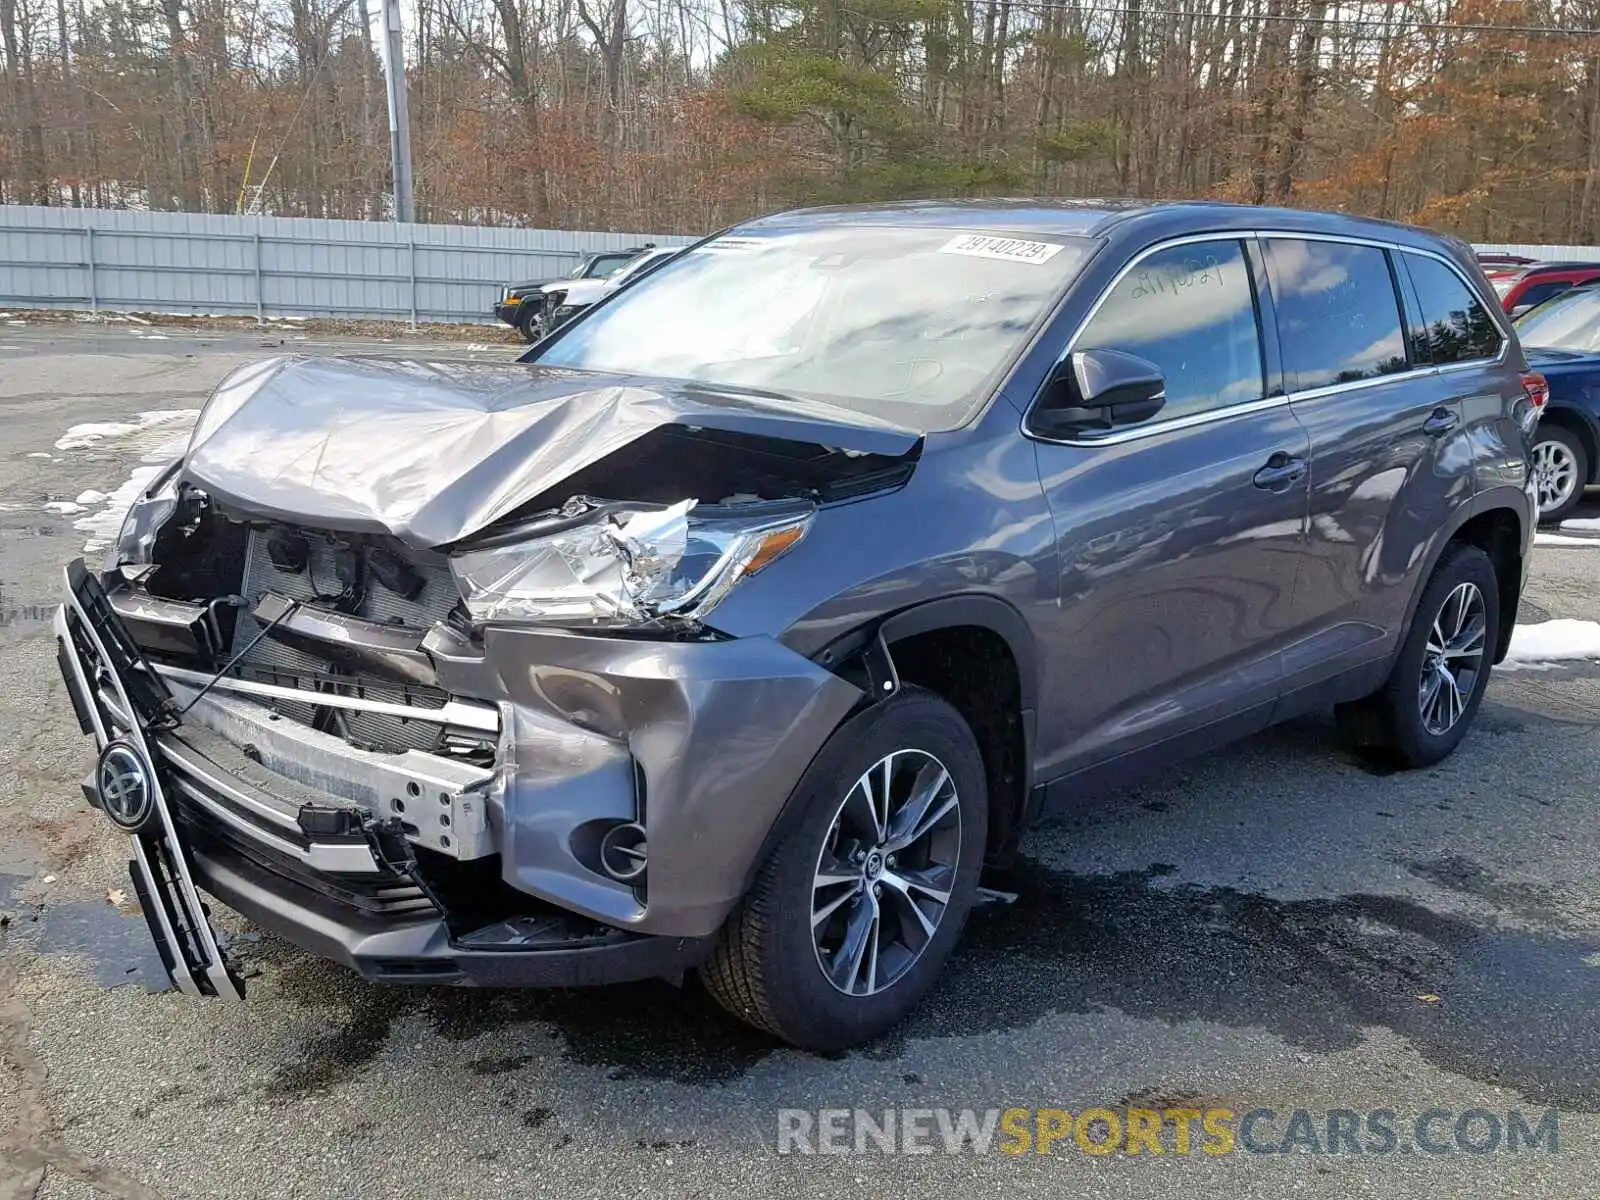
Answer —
608 564
151 509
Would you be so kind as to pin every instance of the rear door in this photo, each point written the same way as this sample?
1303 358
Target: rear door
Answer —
1177 538
1457 335
1388 457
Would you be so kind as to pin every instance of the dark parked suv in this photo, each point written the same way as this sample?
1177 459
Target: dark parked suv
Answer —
746 619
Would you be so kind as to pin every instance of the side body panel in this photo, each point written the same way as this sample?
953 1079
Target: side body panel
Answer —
1177 578
1382 493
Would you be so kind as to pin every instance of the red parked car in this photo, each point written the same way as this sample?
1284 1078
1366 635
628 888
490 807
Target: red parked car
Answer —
1519 290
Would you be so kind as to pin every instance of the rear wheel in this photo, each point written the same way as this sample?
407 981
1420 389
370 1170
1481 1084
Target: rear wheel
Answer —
850 920
1560 471
1432 695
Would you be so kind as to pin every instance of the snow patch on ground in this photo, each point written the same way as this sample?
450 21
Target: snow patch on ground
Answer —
157 438
1561 640
1581 523
92 435
65 507
1557 539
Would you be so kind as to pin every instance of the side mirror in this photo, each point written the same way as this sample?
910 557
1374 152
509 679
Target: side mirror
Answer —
1096 391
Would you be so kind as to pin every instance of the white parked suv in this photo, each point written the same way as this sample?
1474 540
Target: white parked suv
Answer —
566 298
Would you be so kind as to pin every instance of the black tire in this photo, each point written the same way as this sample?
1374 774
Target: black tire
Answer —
1563 441
531 322
766 968
1392 719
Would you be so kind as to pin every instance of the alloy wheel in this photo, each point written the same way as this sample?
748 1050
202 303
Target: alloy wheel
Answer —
885 872
1555 474
1453 658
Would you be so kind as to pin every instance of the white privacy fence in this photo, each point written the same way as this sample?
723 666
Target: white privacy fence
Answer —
94 259
1545 253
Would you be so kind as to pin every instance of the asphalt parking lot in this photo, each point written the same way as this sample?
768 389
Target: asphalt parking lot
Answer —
1280 926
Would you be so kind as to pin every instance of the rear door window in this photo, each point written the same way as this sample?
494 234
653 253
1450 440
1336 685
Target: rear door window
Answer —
1456 327
1338 317
1190 310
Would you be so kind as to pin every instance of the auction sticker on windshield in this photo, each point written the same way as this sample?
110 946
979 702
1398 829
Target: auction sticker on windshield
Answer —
736 243
981 245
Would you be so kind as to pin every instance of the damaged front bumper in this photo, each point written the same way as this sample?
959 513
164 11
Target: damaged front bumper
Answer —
412 867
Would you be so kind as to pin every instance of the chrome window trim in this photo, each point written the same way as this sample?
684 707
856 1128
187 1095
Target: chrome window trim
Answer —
1265 403
1118 436
1358 385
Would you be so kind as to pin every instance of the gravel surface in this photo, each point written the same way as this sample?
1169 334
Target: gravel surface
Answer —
1280 925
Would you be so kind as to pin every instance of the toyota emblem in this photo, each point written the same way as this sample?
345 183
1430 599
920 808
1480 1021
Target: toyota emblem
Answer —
126 786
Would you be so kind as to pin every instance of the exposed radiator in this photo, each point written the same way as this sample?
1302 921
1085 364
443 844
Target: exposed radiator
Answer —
319 583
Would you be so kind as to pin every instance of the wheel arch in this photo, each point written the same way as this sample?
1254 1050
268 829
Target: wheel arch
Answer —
1496 524
977 652
915 645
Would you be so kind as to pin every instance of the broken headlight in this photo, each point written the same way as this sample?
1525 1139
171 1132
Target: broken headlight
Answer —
151 509
618 565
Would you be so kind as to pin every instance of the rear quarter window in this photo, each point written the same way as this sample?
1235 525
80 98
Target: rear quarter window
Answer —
1338 317
1454 325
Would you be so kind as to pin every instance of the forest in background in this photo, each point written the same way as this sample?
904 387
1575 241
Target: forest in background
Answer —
684 115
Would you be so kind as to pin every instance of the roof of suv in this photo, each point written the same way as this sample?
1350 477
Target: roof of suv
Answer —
1097 218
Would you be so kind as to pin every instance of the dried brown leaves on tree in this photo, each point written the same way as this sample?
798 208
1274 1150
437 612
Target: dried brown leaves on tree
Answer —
1477 116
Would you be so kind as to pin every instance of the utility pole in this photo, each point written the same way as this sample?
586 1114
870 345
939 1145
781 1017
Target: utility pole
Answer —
394 68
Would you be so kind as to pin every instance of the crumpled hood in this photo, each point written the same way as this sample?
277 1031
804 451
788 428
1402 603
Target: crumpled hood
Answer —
434 451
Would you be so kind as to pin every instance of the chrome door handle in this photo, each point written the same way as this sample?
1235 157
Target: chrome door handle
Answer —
1440 422
1281 473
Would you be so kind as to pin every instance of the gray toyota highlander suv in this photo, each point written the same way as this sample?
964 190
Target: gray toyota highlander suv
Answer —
744 621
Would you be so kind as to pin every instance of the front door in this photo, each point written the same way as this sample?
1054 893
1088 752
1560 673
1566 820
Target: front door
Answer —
1178 539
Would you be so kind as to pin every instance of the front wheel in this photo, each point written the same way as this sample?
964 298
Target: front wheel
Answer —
1432 695
532 323
851 918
